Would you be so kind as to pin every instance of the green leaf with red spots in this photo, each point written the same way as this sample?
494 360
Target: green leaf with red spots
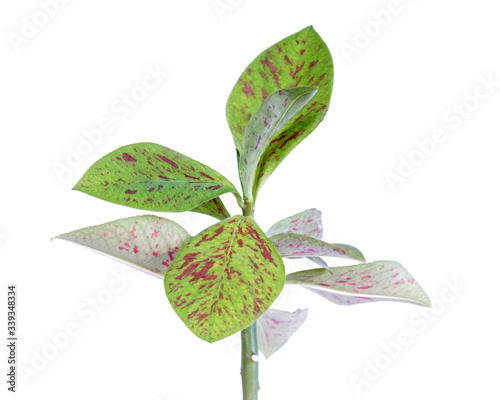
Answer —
215 208
308 223
145 242
224 278
275 327
269 119
363 283
152 177
302 59
293 245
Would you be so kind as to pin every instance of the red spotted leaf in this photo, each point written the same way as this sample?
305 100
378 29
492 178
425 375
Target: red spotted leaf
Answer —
269 119
224 278
308 223
275 327
153 177
146 242
293 245
376 281
302 59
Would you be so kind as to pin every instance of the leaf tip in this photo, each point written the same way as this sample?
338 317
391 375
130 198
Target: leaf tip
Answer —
77 187
58 237
427 301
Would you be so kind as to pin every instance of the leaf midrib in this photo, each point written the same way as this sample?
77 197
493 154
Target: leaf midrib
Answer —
272 133
174 182
224 268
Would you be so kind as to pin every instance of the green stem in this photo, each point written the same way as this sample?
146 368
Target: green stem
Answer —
247 208
249 346
250 362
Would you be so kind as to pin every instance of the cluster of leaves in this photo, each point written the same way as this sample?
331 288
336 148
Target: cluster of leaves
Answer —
227 276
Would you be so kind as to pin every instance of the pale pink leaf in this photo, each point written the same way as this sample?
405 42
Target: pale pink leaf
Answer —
275 327
292 245
376 281
306 223
148 243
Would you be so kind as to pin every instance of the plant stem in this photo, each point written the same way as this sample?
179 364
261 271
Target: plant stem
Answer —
247 208
249 345
250 362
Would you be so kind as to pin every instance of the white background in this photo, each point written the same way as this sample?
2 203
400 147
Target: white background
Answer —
441 222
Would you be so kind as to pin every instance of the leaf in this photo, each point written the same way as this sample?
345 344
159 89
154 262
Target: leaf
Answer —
293 245
224 278
376 281
302 59
321 262
215 208
148 243
269 119
275 327
308 223
153 177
